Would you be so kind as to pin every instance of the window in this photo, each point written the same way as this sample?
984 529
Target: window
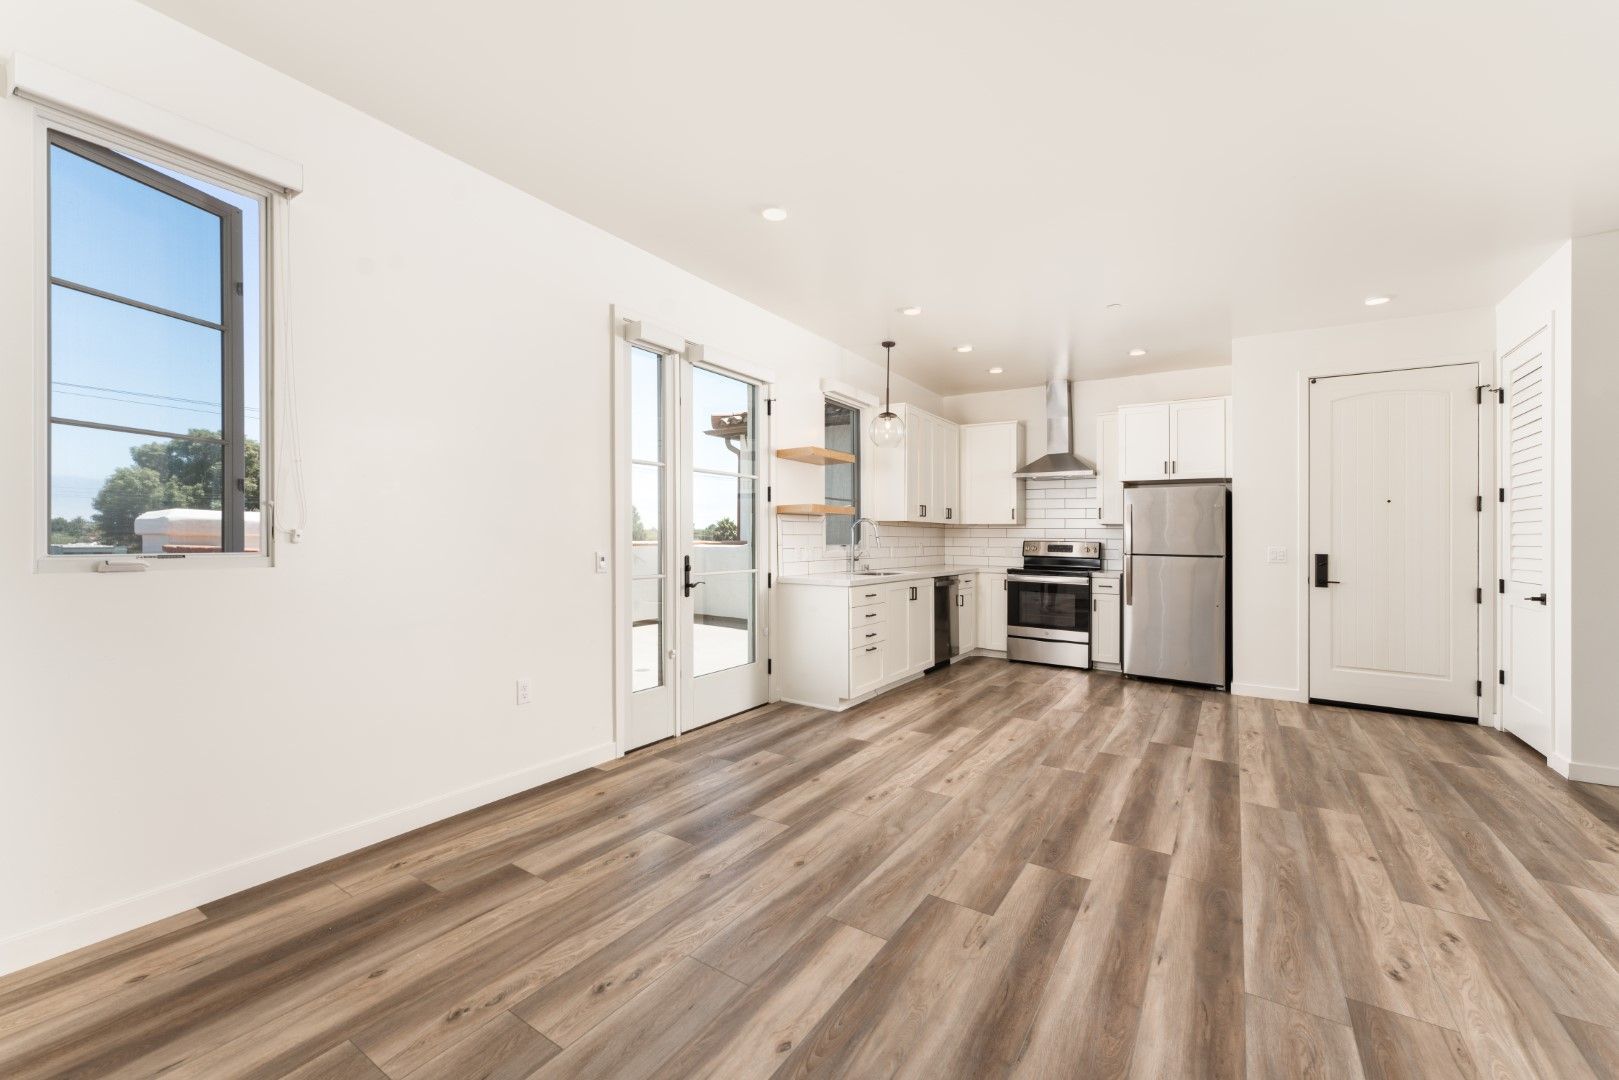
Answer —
155 358
842 479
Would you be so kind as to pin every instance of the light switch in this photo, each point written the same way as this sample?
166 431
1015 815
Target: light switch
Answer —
1276 555
601 562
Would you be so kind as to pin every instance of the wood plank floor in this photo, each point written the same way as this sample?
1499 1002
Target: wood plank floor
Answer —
999 870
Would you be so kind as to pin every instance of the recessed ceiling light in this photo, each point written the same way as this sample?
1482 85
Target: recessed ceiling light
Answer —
1374 301
773 213
964 348
1114 306
996 370
1138 352
910 311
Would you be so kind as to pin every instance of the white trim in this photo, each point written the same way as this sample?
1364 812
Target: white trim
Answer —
1274 693
76 931
849 394
655 337
1584 772
37 81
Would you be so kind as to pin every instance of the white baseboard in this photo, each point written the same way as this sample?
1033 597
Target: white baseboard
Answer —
1585 772
1275 693
1558 763
76 931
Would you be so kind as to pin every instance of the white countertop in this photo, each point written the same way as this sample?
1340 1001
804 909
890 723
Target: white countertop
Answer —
908 573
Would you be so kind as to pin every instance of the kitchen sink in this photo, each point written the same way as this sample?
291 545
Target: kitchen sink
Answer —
878 573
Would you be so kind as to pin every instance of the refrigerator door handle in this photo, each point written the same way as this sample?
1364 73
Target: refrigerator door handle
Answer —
1128 559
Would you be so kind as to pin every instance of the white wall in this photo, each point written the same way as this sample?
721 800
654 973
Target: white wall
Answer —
1091 398
454 364
1270 401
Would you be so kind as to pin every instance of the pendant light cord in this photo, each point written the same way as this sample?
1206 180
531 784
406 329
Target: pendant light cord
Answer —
888 376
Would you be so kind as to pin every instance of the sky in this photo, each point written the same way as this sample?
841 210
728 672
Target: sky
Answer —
116 364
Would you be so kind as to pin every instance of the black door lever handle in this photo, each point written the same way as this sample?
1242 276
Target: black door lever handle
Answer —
1541 599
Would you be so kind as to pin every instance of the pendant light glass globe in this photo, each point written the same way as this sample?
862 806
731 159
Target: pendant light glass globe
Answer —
887 429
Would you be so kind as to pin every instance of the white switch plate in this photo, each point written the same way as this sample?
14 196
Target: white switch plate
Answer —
524 692
1276 555
601 562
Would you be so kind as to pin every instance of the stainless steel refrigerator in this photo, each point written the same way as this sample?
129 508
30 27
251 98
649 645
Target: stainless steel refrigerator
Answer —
1177 582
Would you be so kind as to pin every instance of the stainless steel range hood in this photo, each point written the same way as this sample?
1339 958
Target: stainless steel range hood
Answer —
1059 461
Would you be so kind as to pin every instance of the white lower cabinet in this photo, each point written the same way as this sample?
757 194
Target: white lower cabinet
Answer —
1106 625
991 598
897 659
832 645
967 615
866 668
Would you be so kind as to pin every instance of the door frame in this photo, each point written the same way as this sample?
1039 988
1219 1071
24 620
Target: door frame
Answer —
1489 710
673 343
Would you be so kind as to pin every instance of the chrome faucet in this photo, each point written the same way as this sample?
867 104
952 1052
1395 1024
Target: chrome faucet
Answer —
854 538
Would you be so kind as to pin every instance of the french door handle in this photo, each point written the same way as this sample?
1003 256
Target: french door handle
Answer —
1541 599
688 584
1321 572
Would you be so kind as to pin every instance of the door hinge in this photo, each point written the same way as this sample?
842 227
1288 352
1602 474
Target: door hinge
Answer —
1499 394
770 493
1481 504
770 666
1481 594
770 406
770 580
1501 677
1501 585
1479 686
1500 495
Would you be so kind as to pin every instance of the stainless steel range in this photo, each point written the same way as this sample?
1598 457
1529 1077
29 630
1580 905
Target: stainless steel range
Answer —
1048 602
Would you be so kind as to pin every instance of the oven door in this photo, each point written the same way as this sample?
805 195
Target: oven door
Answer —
1053 608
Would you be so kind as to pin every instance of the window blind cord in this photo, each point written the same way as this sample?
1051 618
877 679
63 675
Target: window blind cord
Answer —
287 363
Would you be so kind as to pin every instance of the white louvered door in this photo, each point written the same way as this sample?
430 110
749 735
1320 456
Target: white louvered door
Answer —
1526 551
1394 511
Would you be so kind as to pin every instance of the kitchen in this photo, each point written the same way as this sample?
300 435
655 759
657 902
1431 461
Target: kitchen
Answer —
1033 539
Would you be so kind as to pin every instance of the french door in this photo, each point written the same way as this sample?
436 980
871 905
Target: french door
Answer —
696 542
1394 512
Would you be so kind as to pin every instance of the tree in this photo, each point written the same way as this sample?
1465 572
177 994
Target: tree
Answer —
723 529
74 531
175 474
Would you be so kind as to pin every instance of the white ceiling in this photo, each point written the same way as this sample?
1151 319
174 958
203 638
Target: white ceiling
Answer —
1217 169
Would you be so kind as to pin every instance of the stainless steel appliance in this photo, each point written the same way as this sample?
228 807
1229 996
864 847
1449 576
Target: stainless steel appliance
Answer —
1048 602
1177 591
946 623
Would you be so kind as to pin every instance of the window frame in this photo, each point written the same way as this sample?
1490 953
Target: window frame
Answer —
857 465
122 153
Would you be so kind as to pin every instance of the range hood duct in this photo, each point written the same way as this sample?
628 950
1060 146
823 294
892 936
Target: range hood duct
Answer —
1059 461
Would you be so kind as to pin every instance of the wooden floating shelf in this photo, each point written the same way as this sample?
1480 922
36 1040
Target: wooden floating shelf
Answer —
815 508
816 455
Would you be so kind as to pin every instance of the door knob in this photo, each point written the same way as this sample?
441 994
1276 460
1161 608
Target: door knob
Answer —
1541 599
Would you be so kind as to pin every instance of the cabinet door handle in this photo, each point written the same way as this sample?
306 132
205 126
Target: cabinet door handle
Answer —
1011 515
924 509
871 648
913 592
1172 464
1166 468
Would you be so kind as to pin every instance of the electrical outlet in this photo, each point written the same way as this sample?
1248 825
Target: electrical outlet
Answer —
524 692
601 562
1276 555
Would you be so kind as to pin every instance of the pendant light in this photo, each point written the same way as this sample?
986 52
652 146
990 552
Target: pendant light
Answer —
888 429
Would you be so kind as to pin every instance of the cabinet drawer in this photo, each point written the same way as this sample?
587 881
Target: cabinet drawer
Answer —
1105 586
865 596
864 616
874 633
866 668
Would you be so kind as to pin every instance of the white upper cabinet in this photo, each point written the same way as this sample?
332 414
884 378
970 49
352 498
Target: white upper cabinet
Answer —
1144 442
1174 440
1197 440
990 491
1109 487
919 480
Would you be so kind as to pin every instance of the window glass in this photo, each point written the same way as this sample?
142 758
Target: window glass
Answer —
119 235
154 414
842 479
721 408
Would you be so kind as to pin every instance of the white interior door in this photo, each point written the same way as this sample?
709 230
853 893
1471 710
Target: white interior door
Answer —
1526 552
1394 511
721 584
697 527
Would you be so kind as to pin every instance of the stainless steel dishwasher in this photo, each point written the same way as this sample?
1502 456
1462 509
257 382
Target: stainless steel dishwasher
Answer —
946 620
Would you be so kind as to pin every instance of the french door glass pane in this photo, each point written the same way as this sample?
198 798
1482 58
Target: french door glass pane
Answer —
646 405
722 523
722 418
646 633
116 234
646 520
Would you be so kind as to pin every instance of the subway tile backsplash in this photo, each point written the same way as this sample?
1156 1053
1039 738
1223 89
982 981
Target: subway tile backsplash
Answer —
1052 509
